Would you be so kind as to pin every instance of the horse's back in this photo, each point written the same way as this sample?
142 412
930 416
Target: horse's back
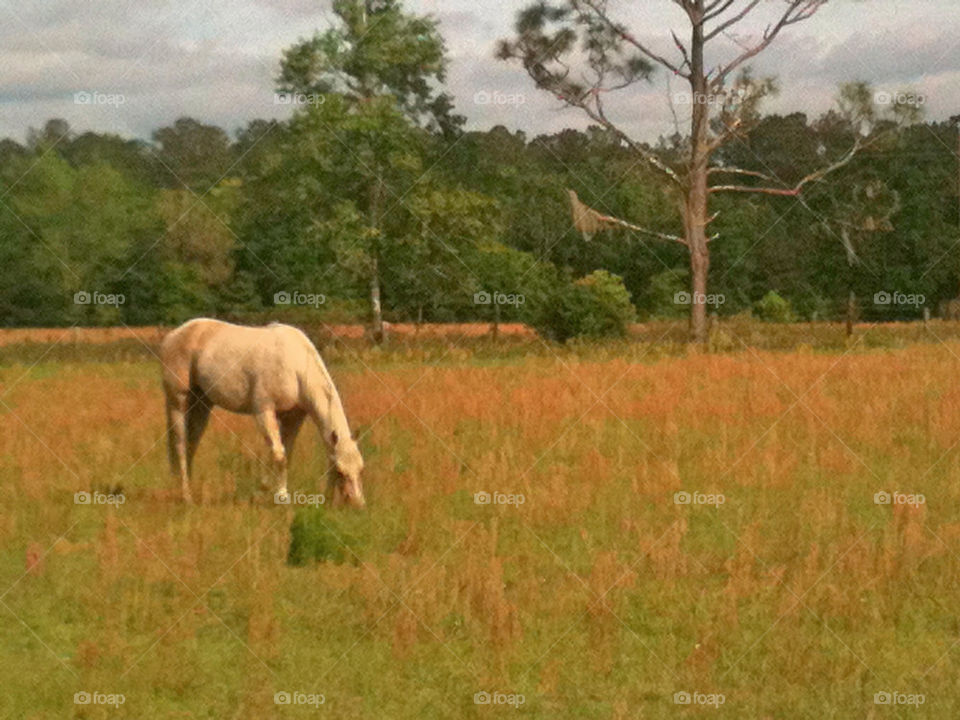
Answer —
189 337
238 367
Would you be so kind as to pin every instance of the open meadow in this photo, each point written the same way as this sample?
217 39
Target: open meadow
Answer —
624 336
629 531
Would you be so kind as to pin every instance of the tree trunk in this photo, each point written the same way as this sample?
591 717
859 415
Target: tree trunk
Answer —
852 261
957 120
851 312
695 208
699 263
376 312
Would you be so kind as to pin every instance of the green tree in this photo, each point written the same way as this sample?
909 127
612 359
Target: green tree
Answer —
194 252
53 132
432 267
376 49
67 231
131 157
514 285
318 202
193 154
10 150
595 306
381 64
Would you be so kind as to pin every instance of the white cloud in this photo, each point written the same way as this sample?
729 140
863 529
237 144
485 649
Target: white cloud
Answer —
218 62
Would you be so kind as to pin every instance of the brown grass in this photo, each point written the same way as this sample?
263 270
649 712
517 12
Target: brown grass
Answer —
598 597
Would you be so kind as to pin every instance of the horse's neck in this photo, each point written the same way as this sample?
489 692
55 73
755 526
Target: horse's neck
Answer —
328 406
336 418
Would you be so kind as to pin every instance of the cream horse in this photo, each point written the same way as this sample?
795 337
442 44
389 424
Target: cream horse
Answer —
273 373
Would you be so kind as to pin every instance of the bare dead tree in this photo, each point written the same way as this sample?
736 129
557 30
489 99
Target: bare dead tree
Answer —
552 38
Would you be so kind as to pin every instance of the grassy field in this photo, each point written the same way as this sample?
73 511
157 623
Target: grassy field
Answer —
766 530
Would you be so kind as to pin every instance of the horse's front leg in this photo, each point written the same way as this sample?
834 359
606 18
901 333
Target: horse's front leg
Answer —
270 428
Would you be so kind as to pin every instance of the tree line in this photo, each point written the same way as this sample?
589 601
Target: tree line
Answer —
372 201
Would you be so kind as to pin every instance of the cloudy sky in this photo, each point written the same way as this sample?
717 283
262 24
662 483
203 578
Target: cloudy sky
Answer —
216 61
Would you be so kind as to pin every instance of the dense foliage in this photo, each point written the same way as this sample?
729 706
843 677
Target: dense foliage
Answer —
595 306
372 190
98 214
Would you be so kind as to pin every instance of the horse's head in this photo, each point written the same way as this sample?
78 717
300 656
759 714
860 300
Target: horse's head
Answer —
348 466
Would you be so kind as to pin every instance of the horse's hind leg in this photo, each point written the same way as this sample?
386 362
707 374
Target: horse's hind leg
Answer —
269 427
177 439
198 414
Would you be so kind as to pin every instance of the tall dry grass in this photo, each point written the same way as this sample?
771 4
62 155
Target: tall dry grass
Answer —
598 597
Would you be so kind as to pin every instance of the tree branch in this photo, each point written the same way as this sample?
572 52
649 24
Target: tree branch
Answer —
731 130
797 11
599 116
682 49
673 110
795 190
730 22
761 190
712 10
741 171
588 221
633 41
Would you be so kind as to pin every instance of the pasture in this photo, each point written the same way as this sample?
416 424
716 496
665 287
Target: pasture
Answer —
637 530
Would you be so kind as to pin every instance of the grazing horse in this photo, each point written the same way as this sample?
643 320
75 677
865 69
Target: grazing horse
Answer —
273 373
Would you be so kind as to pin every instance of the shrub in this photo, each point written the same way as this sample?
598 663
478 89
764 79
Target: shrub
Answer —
320 536
659 296
595 306
773 308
